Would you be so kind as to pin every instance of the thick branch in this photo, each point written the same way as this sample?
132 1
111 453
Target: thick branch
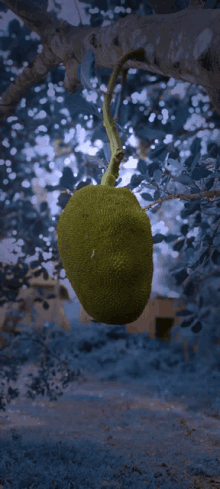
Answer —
184 45
33 15
206 194
32 74
171 6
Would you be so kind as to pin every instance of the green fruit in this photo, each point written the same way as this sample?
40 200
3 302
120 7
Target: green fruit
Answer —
106 247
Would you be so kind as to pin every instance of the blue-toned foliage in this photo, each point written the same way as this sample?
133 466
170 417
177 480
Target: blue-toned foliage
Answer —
158 238
86 70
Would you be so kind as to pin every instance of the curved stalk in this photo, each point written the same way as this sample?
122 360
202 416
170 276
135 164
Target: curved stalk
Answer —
117 152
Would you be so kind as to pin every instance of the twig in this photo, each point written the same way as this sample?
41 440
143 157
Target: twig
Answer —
207 194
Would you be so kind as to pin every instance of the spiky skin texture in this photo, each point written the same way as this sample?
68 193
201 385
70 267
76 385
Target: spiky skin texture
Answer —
106 247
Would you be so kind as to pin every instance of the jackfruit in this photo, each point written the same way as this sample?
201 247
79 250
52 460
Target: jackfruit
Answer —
106 247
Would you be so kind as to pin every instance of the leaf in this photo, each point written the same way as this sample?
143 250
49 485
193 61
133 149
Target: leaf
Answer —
157 194
216 257
178 246
192 207
189 290
158 238
199 173
184 229
203 256
186 324
171 237
195 146
153 167
38 227
147 196
62 200
209 183
154 153
45 274
95 160
181 276
67 180
38 273
136 180
14 27
189 254
204 312
34 264
181 116
43 206
195 161
142 130
197 327
142 166
107 151
157 175
174 163
184 312
184 179
86 70
76 101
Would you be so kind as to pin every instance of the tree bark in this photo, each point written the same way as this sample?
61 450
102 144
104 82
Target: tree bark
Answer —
171 6
184 45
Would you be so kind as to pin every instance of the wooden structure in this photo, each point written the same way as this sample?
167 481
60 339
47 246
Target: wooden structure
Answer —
158 317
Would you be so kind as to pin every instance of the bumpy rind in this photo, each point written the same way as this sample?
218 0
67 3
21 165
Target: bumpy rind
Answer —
106 247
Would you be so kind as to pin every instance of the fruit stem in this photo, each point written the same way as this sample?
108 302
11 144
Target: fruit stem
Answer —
117 152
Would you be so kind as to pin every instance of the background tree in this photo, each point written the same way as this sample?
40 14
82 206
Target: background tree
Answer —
47 86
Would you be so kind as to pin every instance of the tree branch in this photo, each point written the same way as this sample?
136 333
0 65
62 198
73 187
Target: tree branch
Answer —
184 45
32 74
177 45
33 15
206 194
169 6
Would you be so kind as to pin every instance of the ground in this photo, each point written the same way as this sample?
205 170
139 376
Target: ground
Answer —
140 416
